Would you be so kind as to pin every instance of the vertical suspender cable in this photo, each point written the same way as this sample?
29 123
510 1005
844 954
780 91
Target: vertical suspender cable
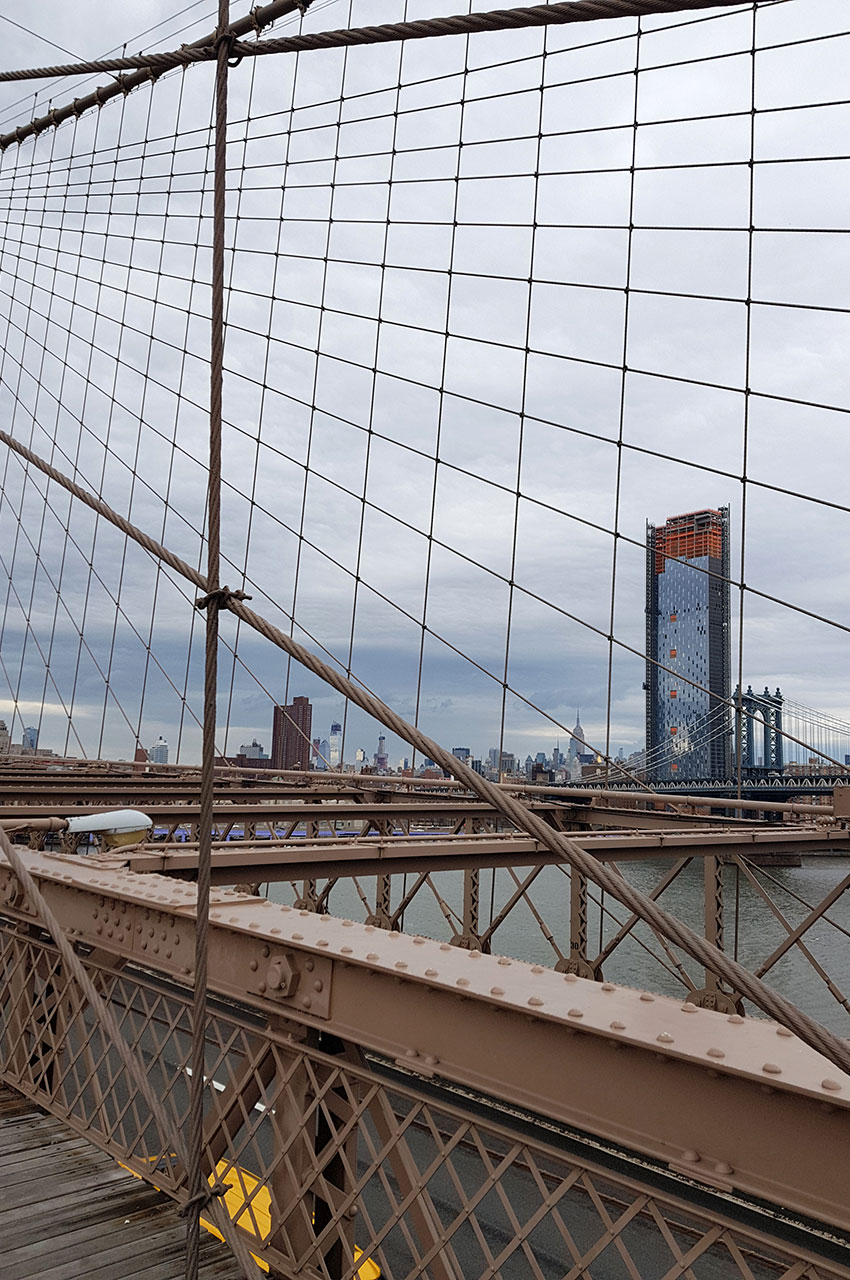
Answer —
199 1003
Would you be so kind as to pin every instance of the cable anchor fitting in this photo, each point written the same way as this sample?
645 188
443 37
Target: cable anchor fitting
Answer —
228 38
202 1199
220 598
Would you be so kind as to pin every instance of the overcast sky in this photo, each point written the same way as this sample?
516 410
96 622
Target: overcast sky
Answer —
337 355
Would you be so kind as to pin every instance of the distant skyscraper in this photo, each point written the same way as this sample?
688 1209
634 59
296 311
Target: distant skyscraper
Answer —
688 634
291 735
576 741
4 739
380 758
335 745
30 740
158 754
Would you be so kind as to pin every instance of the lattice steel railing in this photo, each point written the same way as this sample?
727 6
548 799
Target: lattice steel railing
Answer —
326 1149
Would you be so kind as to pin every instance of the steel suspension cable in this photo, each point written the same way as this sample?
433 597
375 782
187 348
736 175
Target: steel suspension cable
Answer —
198 1192
806 1028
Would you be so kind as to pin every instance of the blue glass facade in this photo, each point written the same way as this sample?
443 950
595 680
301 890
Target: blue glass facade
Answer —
688 725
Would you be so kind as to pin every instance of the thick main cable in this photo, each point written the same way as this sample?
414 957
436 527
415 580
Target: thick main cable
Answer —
148 66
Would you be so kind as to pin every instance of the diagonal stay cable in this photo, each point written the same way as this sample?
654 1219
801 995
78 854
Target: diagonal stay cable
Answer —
770 1002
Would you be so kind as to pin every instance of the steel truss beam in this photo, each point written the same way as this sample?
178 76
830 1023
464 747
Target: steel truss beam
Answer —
274 861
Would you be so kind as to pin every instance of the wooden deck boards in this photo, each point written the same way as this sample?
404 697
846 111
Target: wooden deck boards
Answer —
67 1210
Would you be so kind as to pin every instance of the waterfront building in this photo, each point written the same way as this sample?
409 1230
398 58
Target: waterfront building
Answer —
688 725
291 734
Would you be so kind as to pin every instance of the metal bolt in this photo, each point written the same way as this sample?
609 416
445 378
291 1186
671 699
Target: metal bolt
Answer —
504 960
716 1053
306 1002
772 1069
783 1031
535 1000
665 1038
323 942
690 1157
570 977
463 982
618 1026
373 955
608 986
318 985
401 964
497 991
723 1167
537 968
646 997
430 973
833 1085
347 951
736 1019
575 1013
298 937
254 966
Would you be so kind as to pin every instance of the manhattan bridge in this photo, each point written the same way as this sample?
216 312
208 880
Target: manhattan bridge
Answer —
347 348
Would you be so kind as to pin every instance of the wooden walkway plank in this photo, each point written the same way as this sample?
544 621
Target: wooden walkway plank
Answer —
68 1210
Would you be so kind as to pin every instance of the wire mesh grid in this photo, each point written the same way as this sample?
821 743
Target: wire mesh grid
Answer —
492 302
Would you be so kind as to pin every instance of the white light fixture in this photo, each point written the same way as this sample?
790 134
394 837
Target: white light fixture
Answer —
116 827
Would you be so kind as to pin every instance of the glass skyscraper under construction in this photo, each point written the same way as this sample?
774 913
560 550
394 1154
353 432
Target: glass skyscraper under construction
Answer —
688 721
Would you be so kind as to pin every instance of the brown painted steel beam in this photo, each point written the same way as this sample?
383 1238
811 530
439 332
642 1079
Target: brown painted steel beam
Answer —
735 1103
371 855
